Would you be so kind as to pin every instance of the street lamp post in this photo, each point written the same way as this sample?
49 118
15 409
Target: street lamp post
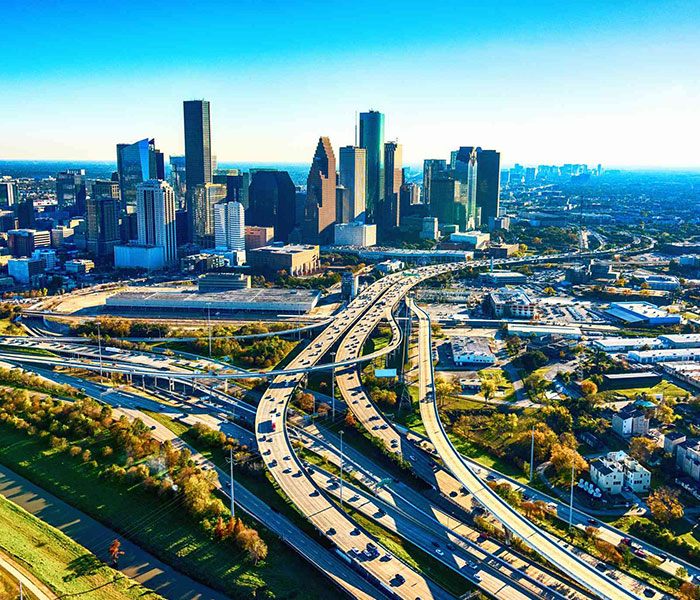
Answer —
532 452
233 509
333 388
341 469
99 348
571 497
209 325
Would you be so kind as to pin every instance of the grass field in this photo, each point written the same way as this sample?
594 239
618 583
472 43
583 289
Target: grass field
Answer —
9 588
668 389
59 562
164 531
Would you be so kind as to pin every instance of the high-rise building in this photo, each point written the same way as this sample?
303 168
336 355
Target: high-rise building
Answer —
205 197
177 179
198 165
8 193
488 183
155 207
24 211
23 242
237 185
445 200
272 202
71 190
102 225
320 211
408 197
229 225
137 163
431 167
343 208
372 140
105 189
353 172
465 171
389 216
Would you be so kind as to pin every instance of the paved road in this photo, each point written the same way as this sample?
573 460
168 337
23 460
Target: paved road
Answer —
542 542
29 582
96 537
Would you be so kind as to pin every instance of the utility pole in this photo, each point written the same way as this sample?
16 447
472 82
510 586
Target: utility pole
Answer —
21 591
571 498
233 510
333 388
532 452
99 348
209 325
341 469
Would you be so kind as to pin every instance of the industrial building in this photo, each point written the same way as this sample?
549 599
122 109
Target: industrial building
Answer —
471 351
664 355
296 259
511 303
641 313
499 278
355 234
523 330
623 344
185 300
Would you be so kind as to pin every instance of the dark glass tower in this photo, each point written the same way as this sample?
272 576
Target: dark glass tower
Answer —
272 202
137 163
71 190
372 140
488 180
102 225
197 149
393 180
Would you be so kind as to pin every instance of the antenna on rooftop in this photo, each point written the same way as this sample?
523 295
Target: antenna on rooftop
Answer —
355 129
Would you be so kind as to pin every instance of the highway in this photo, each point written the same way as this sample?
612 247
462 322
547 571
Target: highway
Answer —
543 543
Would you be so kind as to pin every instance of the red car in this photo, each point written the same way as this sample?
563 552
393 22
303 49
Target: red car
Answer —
639 552
626 541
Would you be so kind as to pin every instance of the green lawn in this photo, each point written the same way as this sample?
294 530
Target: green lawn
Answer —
500 377
7 327
9 588
163 530
668 389
59 562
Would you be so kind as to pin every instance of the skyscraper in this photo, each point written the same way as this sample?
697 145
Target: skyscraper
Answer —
105 189
488 180
237 185
137 163
272 202
431 166
206 195
353 170
155 207
320 210
198 166
177 178
393 180
71 190
465 171
102 225
8 193
372 140
229 225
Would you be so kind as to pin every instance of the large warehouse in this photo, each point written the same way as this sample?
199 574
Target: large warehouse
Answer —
187 300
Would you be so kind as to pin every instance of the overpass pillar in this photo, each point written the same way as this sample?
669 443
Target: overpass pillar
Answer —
226 385
170 384
508 536
143 382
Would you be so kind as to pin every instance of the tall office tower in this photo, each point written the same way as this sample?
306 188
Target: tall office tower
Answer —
155 207
447 201
205 197
23 242
343 205
353 170
8 193
319 211
372 140
465 171
237 184
229 225
409 196
105 189
488 181
431 166
177 178
137 163
393 180
272 202
198 167
102 225
71 190
24 211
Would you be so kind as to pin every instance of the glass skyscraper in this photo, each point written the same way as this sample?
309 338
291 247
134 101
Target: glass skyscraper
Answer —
198 165
372 140
272 202
136 163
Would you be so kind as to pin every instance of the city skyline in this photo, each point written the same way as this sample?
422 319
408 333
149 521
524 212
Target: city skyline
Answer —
537 84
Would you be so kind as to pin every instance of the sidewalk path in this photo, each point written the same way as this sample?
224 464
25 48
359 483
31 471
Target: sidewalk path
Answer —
29 582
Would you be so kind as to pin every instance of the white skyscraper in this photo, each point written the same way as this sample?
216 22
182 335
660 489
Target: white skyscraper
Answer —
353 167
155 207
229 226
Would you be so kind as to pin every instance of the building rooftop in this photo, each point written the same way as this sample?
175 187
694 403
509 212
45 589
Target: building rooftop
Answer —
288 249
543 329
464 345
510 296
634 312
627 342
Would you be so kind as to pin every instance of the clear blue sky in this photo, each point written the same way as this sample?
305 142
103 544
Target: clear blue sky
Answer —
542 81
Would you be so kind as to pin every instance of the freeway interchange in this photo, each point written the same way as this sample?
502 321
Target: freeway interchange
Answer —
316 494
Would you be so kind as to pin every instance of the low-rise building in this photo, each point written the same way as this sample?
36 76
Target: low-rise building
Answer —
48 256
672 440
641 313
616 472
502 250
139 256
475 240
500 278
350 285
630 421
79 266
389 266
681 340
221 282
471 351
25 270
355 234
296 259
537 331
656 281
257 236
646 357
625 344
688 458
511 303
